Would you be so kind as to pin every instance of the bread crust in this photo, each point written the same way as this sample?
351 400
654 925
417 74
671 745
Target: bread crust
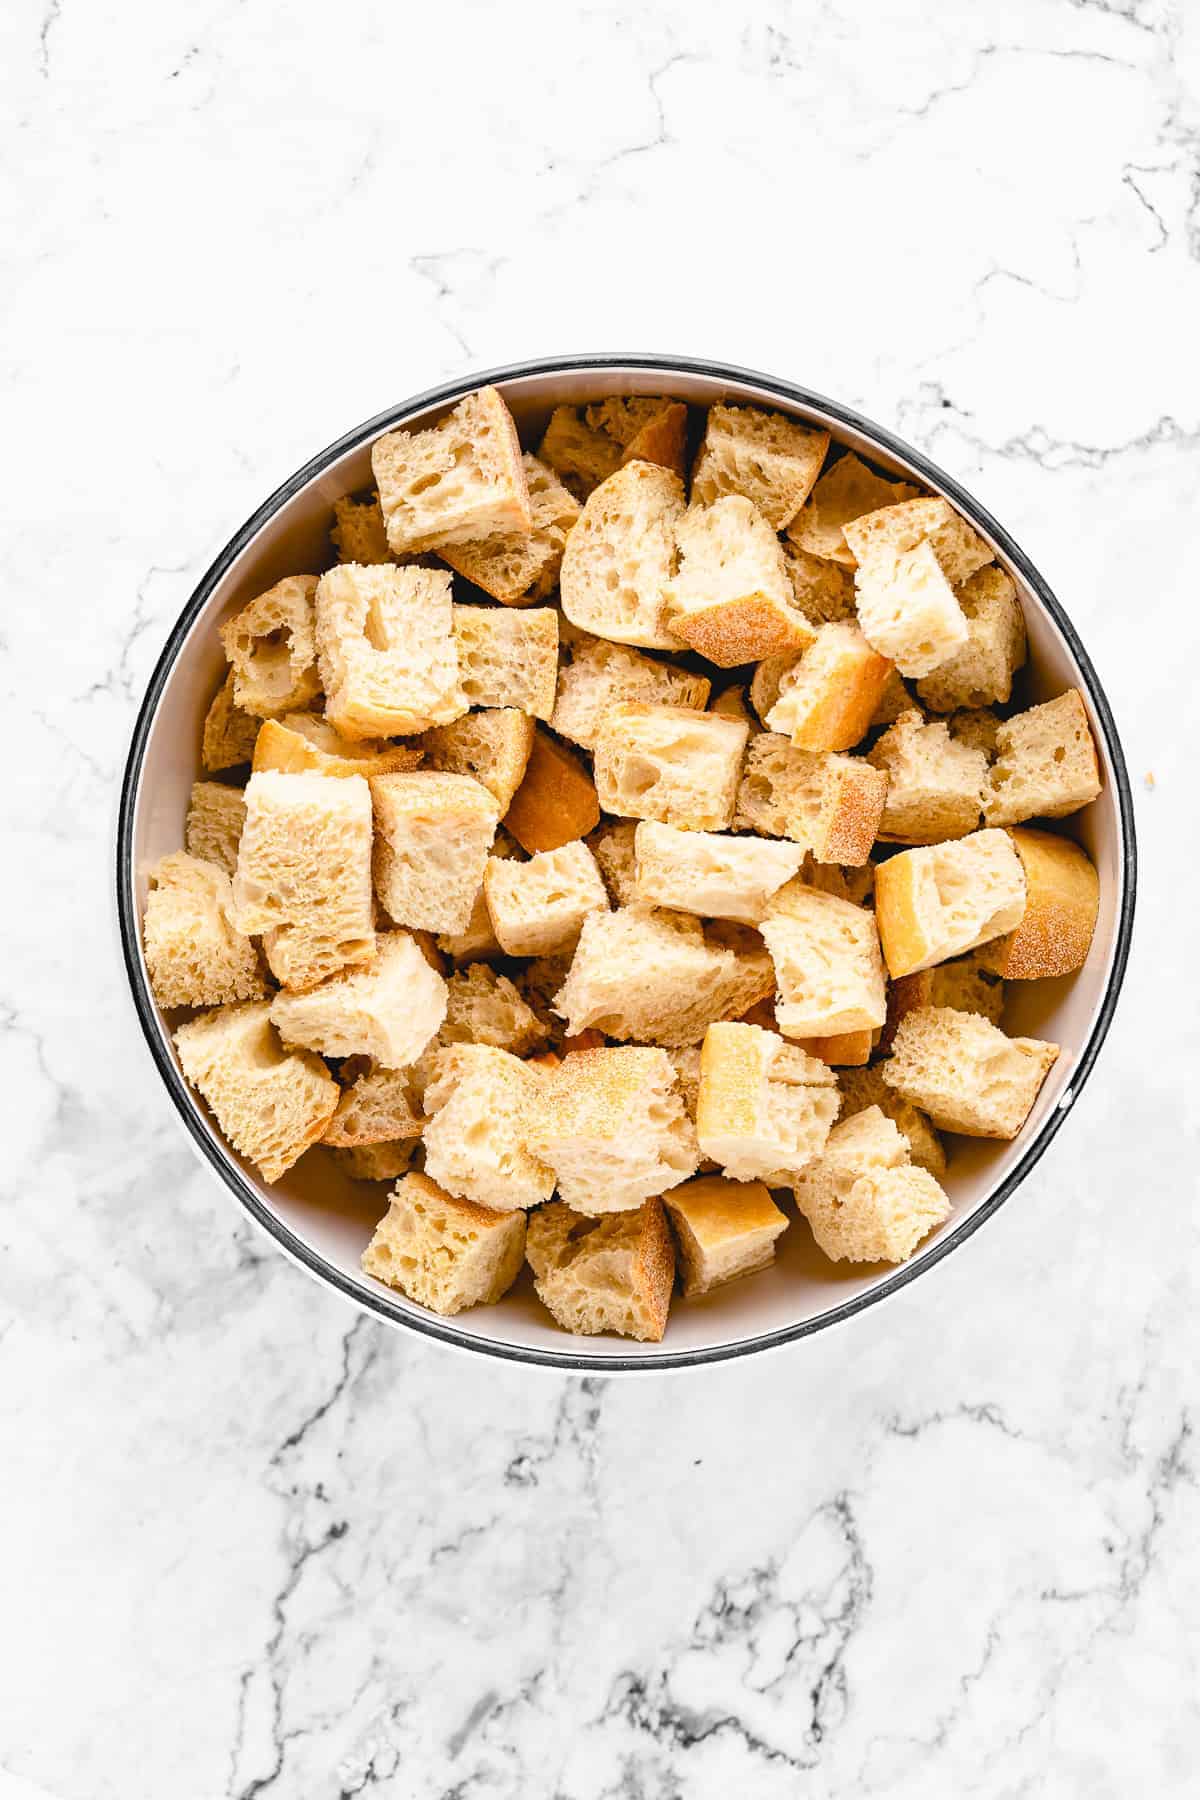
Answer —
1062 901
556 800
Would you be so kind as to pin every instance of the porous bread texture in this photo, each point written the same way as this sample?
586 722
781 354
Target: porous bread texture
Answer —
828 969
539 906
195 954
907 609
621 555
845 491
304 873
764 456
597 676
476 939
724 1229
731 596
516 567
614 845
734 703
827 697
653 976
855 883
229 733
556 801
1062 900
896 529
829 804
822 590
386 648
492 745
271 646
483 1107
270 1105
508 658
588 445
445 1253
302 741
432 836
581 455
377 1108
375 1162
613 1128
935 785
980 672
863 1199
894 700
686 1063
389 1011
482 1007
671 764
707 873
216 814
976 726
844 1049
764 1107
358 533
965 1073
941 900
964 983
1046 764
457 481
861 1088
596 1275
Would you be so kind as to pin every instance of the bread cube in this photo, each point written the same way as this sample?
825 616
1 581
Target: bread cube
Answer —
271 1106
599 676
829 804
828 969
518 568
731 597
386 646
600 1275
540 905
377 1108
941 900
845 492
822 591
432 836
614 845
613 1128
195 954
484 1115
215 818
843 1049
272 649
894 700
587 445
304 873
864 1201
764 1107
1062 901
963 983
476 940
827 698
671 764
455 482
766 457
556 801
389 1011
358 533
229 733
895 530
302 741
704 872
976 727
861 1088
375 1162
907 610
734 703
493 745
445 1253
965 1073
621 555
935 784
1046 764
724 1229
980 672
580 454
508 658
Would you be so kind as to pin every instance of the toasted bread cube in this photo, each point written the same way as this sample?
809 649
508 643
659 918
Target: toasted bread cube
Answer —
935 785
686 1063
480 1142
613 1128
304 874
385 641
269 1105
828 969
457 481
600 1275
724 1229
861 1088
375 1162
671 764
215 818
358 533
476 940
518 568
829 804
614 845
302 741
581 455
845 492
895 530
764 1107
704 872
827 698
822 590
432 837
493 745
556 801
907 610
587 449
734 703
444 1253
485 1008
963 983
894 700
1046 764
508 658
941 900
272 649
764 456
731 598
843 1049
980 673
540 905
195 954
599 676
620 557
389 1011
1062 901
229 733
377 1108
965 1073
864 1201
976 727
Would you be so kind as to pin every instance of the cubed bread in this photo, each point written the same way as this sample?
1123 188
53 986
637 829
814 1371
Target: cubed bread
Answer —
520 567
375 1162
304 873
302 741
894 530
828 969
845 491
1062 900
614 845
508 658
963 983
907 609
269 1104
766 457
941 900
539 906
216 814
598 676
377 1108
587 445
823 591
1046 764
482 1007
455 482
671 764
484 1111
432 836
842 1049
445 1253
764 1107
476 939
731 597
863 1199
829 804
580 454
686 1063
386 647
389 1011
556 801
229 733
621 555
861 1088
734 703
493 745
272 650
195 954
614 1129
359 534
724 1229
894 700
604 1275
708 873
980 672
965 1073
827 698
976 726
935 785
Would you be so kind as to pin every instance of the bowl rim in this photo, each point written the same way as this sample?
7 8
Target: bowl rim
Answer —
430 1325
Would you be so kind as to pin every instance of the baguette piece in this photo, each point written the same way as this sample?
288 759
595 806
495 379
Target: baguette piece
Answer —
845 492
476 941
508 658
766 457
907 609
1046 764
764 1107
581 455
517 568
935 785
895 530
455 482
621 555
302 741
614 845
1062 901
485 1008
377 1108
480 1138
386 647
539 906
388 1012
724 1229
600 1275
359 534
706 873
493 745
229 733
270 1105
734 703
586 449
963 983
613 1128
671 764
942 900
980 673
861 1088
894 700
444 1253
965 1073
822 590
827 698
828 968
432 836
977 727
216 814
272 650
863 1199
831 805
195 954
375 1162
599 676
556 801
731 597
842 1049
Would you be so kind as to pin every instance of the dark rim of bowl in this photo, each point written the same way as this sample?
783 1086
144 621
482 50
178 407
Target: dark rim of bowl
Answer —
429 1324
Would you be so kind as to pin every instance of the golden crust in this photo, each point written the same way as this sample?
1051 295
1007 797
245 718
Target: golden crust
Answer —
556 801
845 1050
278 746
654 1269
662 440
905 944
1062 900
740 631
859 795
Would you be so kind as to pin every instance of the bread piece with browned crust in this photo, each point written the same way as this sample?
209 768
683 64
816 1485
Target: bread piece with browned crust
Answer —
302 741
827 698
767 457
518 567
454 482
613 1128
764 1106
724 1230
830 804
980 673
846 491
731 597
493 744
556 801
1062 901
965 1073
941 900
445 1253
599 1275
596 676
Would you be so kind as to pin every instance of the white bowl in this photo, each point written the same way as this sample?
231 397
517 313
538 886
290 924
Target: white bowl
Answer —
323 1220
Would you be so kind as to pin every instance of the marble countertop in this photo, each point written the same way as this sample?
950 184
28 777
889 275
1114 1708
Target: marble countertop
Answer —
256 1545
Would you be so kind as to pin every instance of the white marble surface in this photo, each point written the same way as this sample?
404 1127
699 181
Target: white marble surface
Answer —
256 1545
